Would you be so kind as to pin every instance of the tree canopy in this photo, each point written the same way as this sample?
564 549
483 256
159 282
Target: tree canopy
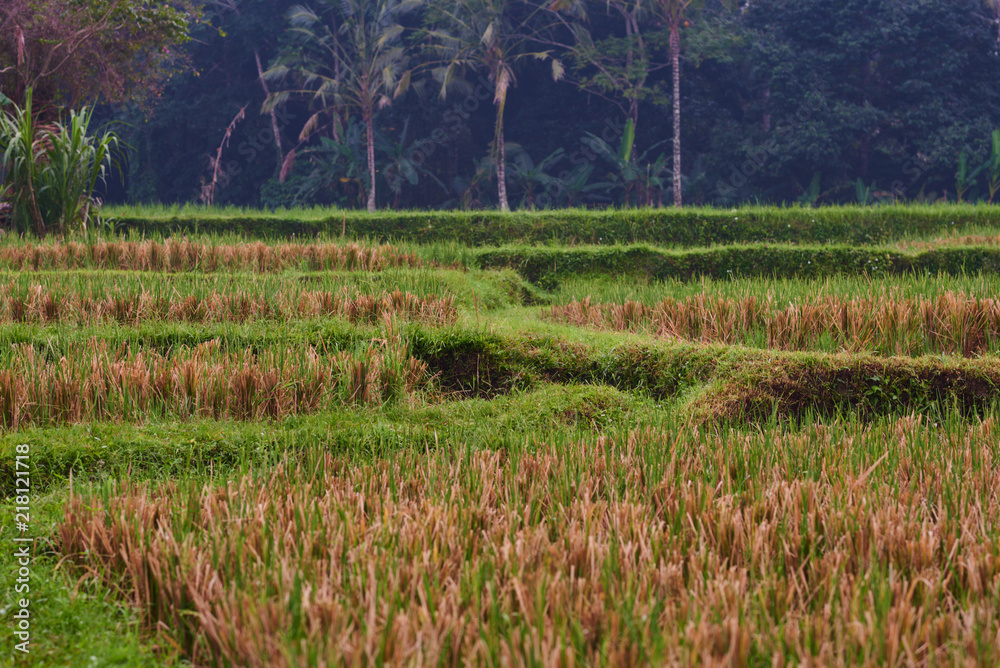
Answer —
75 52
776 101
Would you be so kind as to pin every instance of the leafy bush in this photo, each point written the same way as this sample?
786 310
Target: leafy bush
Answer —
50 171
689 227
547 265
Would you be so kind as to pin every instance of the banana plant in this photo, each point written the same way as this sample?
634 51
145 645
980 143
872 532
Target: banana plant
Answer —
531 176
811 195
399 167
338 169
577 186
50 171
964 179
994 166
642 176
471 192
863 192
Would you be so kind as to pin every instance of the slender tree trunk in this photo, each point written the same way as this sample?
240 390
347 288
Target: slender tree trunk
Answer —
274 116
633 113
675 61
996 15
767 109
501 152
370 132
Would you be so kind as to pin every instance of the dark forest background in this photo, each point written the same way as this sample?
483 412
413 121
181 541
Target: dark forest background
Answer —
805 101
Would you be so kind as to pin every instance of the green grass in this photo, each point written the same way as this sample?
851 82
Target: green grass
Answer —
548 266
618 289
690 226
470 289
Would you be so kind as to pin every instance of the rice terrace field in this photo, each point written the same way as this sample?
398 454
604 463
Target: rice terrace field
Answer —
748 437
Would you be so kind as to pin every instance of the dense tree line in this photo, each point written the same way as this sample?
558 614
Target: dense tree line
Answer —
531 103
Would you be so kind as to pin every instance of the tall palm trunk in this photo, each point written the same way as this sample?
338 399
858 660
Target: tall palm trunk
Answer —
370 139
675 61
501 152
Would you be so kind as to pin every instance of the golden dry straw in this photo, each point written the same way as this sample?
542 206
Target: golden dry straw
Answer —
951 241
187 255
39 304
952 323
674 548
123 385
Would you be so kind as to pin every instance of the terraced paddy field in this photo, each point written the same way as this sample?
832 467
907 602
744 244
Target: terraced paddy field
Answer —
324 450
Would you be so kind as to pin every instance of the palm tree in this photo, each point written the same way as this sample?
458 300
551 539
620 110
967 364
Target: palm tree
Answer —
675 15
484 35
358 62
614 68
622 66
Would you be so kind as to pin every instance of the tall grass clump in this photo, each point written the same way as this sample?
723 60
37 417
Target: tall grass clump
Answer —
839 544
173 255
51 170
952 323
36 303
121 384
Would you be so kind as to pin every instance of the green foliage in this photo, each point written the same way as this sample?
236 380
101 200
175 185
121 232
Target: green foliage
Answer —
491 37
76 52
688 227
51 171
864 193
994 165
811 195
546 266
641 180
826 99
357 63
616 63
402 168
777 92
532 177
333 171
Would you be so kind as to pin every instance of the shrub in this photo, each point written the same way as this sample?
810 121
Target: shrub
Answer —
50 171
